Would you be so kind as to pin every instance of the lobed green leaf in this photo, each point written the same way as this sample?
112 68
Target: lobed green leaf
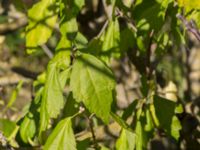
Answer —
92 82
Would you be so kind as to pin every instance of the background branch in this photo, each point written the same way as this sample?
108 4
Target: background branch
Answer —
190 26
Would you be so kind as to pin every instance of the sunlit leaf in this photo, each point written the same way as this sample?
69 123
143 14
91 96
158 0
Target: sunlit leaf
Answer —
111 41
150 14
64 77
92 82
80 41
126 140
79 3
141 137
27 128
62 137
7 127
195 15
68 24
175 128
42 19
52 98
189 4
104 148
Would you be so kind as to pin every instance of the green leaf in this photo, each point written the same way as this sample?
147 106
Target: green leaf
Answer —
149 126
79 3
129 111
69 27
150 14
44 118
80 41
61 60
83 144
126 140
94 47
53 96
42 19
104 148
111 41
120 121
179 109
64 77
62 137
70 106
165 113
7 127
27 128
195 15
141 136
68 24
52 99
127 39
189 5
175 128
165 110
64 44
14 94
92 82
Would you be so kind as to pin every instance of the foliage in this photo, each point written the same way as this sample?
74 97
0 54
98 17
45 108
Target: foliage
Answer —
79 81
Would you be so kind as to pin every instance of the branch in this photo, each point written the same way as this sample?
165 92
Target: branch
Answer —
92 131
100 132
149 68
190 26
47 51
102 29
129 21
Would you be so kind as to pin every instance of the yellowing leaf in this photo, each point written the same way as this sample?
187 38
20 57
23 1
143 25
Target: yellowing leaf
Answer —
189 4
42 18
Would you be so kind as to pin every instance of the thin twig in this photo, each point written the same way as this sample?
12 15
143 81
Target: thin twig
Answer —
190 26
130 22
149 68
47 51
108 9
92 131
102 29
